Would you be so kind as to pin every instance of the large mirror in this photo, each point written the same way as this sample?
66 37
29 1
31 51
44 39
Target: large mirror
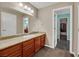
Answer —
13 22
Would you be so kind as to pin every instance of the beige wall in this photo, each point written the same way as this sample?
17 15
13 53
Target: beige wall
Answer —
44 22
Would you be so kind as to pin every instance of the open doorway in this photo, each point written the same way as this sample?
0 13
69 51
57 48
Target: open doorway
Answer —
63 43
62 25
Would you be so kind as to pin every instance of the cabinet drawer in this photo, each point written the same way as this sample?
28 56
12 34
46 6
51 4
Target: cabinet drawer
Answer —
42 37
42 43
29 42
42 40
28 48
16 54
11 51
28 51
37 44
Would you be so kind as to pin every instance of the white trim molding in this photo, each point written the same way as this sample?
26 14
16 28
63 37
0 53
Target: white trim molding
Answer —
49 46
78 32
71 27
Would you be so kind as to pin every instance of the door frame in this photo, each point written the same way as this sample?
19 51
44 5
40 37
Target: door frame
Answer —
78 31
55 28
71 23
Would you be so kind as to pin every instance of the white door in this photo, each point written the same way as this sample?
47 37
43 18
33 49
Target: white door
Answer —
8 24
55 30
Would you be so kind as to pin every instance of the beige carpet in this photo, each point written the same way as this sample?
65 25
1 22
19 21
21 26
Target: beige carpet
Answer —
49 52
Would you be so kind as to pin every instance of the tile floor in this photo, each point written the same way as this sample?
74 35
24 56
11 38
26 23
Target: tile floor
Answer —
49 52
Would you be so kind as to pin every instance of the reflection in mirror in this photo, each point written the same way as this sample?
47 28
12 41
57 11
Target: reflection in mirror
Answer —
13 22
25 24
14 19
8 24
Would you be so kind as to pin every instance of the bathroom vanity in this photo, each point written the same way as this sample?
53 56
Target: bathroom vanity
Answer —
22 46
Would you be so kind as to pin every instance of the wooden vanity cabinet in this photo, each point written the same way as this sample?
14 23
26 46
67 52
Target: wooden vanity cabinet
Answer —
42 40
37 44
32 46
28 48
13 51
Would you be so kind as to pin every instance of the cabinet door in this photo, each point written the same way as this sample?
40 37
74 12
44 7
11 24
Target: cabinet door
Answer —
28 48
37 44
13 51
42 40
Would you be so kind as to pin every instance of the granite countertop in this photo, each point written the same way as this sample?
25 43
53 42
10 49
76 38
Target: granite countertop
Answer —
15 40
11 36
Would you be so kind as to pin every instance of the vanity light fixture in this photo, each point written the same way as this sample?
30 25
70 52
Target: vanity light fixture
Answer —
28 8
32 11
20 4
25 7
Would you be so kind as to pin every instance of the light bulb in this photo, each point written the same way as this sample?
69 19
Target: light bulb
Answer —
29 8
21 4
25 6
32 11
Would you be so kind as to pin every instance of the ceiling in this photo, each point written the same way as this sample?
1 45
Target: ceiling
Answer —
42 4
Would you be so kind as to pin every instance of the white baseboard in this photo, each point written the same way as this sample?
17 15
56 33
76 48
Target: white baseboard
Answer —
73 54
49 46
78 54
